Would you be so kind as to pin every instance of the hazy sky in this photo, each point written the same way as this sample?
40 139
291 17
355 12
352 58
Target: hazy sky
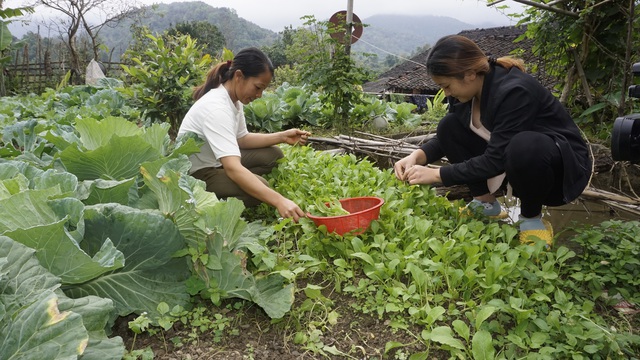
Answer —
276 14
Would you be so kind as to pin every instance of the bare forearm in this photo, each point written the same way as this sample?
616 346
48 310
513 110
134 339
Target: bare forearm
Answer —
290 136
256 140
248 182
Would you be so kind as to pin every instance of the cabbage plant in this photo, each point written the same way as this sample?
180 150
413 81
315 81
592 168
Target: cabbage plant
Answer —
106 210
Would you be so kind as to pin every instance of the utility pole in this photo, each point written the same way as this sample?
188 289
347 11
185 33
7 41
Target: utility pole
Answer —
349 24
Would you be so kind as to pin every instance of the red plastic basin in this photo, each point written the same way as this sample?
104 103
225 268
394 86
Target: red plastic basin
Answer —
362 210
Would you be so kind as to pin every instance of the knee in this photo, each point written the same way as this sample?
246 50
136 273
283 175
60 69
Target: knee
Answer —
520 148
528 148
274 153
448 125
277 152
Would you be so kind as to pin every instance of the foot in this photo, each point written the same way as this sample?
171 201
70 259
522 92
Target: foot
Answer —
535 229
491 210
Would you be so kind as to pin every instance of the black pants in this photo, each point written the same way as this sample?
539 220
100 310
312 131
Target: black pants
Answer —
532 163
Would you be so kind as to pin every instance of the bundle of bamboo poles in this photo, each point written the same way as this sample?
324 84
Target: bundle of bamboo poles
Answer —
371 144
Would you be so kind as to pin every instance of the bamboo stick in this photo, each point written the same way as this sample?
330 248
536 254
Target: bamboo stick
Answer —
605 195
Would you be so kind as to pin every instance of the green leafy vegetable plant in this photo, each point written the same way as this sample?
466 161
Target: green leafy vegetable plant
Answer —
610 259
110 210
437 107
331 208
470 286
38 318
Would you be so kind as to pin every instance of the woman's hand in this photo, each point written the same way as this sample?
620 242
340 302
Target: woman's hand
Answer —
295 136
417 174
289 209
401 166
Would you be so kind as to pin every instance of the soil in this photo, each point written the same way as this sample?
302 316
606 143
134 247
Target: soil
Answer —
253 335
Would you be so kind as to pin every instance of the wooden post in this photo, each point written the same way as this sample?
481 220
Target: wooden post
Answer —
583 77
25 63
48 72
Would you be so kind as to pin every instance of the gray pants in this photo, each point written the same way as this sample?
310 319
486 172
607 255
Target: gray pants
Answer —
258 161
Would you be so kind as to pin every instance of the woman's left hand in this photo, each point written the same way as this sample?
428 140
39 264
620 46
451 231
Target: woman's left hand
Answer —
295 136
417 174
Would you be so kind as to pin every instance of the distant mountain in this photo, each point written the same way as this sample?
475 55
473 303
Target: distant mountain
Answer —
238 32
383 35
402 34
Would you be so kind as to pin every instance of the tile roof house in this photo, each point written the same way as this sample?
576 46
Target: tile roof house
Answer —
410 77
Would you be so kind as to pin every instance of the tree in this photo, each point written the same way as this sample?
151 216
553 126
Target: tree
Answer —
6 39
91 16
333 71
391 61
589 45
205 33
164 72
277 51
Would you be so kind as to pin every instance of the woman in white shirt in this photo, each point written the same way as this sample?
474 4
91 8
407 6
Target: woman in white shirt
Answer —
232 159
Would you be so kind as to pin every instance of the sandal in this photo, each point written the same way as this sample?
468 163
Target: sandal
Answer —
484 209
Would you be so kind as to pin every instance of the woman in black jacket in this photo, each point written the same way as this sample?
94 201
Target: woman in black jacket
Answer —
502 127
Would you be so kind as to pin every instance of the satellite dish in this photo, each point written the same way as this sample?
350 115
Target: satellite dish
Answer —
339 19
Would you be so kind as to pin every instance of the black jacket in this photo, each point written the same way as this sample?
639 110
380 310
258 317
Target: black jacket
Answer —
513 101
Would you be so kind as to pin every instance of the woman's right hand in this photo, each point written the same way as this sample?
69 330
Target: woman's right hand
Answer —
295 136
288 209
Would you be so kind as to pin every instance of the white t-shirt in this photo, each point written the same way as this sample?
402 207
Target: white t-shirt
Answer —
218 121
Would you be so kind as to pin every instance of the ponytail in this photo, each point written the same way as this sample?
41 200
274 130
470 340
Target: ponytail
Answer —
508 62
216 76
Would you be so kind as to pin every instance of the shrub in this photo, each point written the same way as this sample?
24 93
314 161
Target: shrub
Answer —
164 75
